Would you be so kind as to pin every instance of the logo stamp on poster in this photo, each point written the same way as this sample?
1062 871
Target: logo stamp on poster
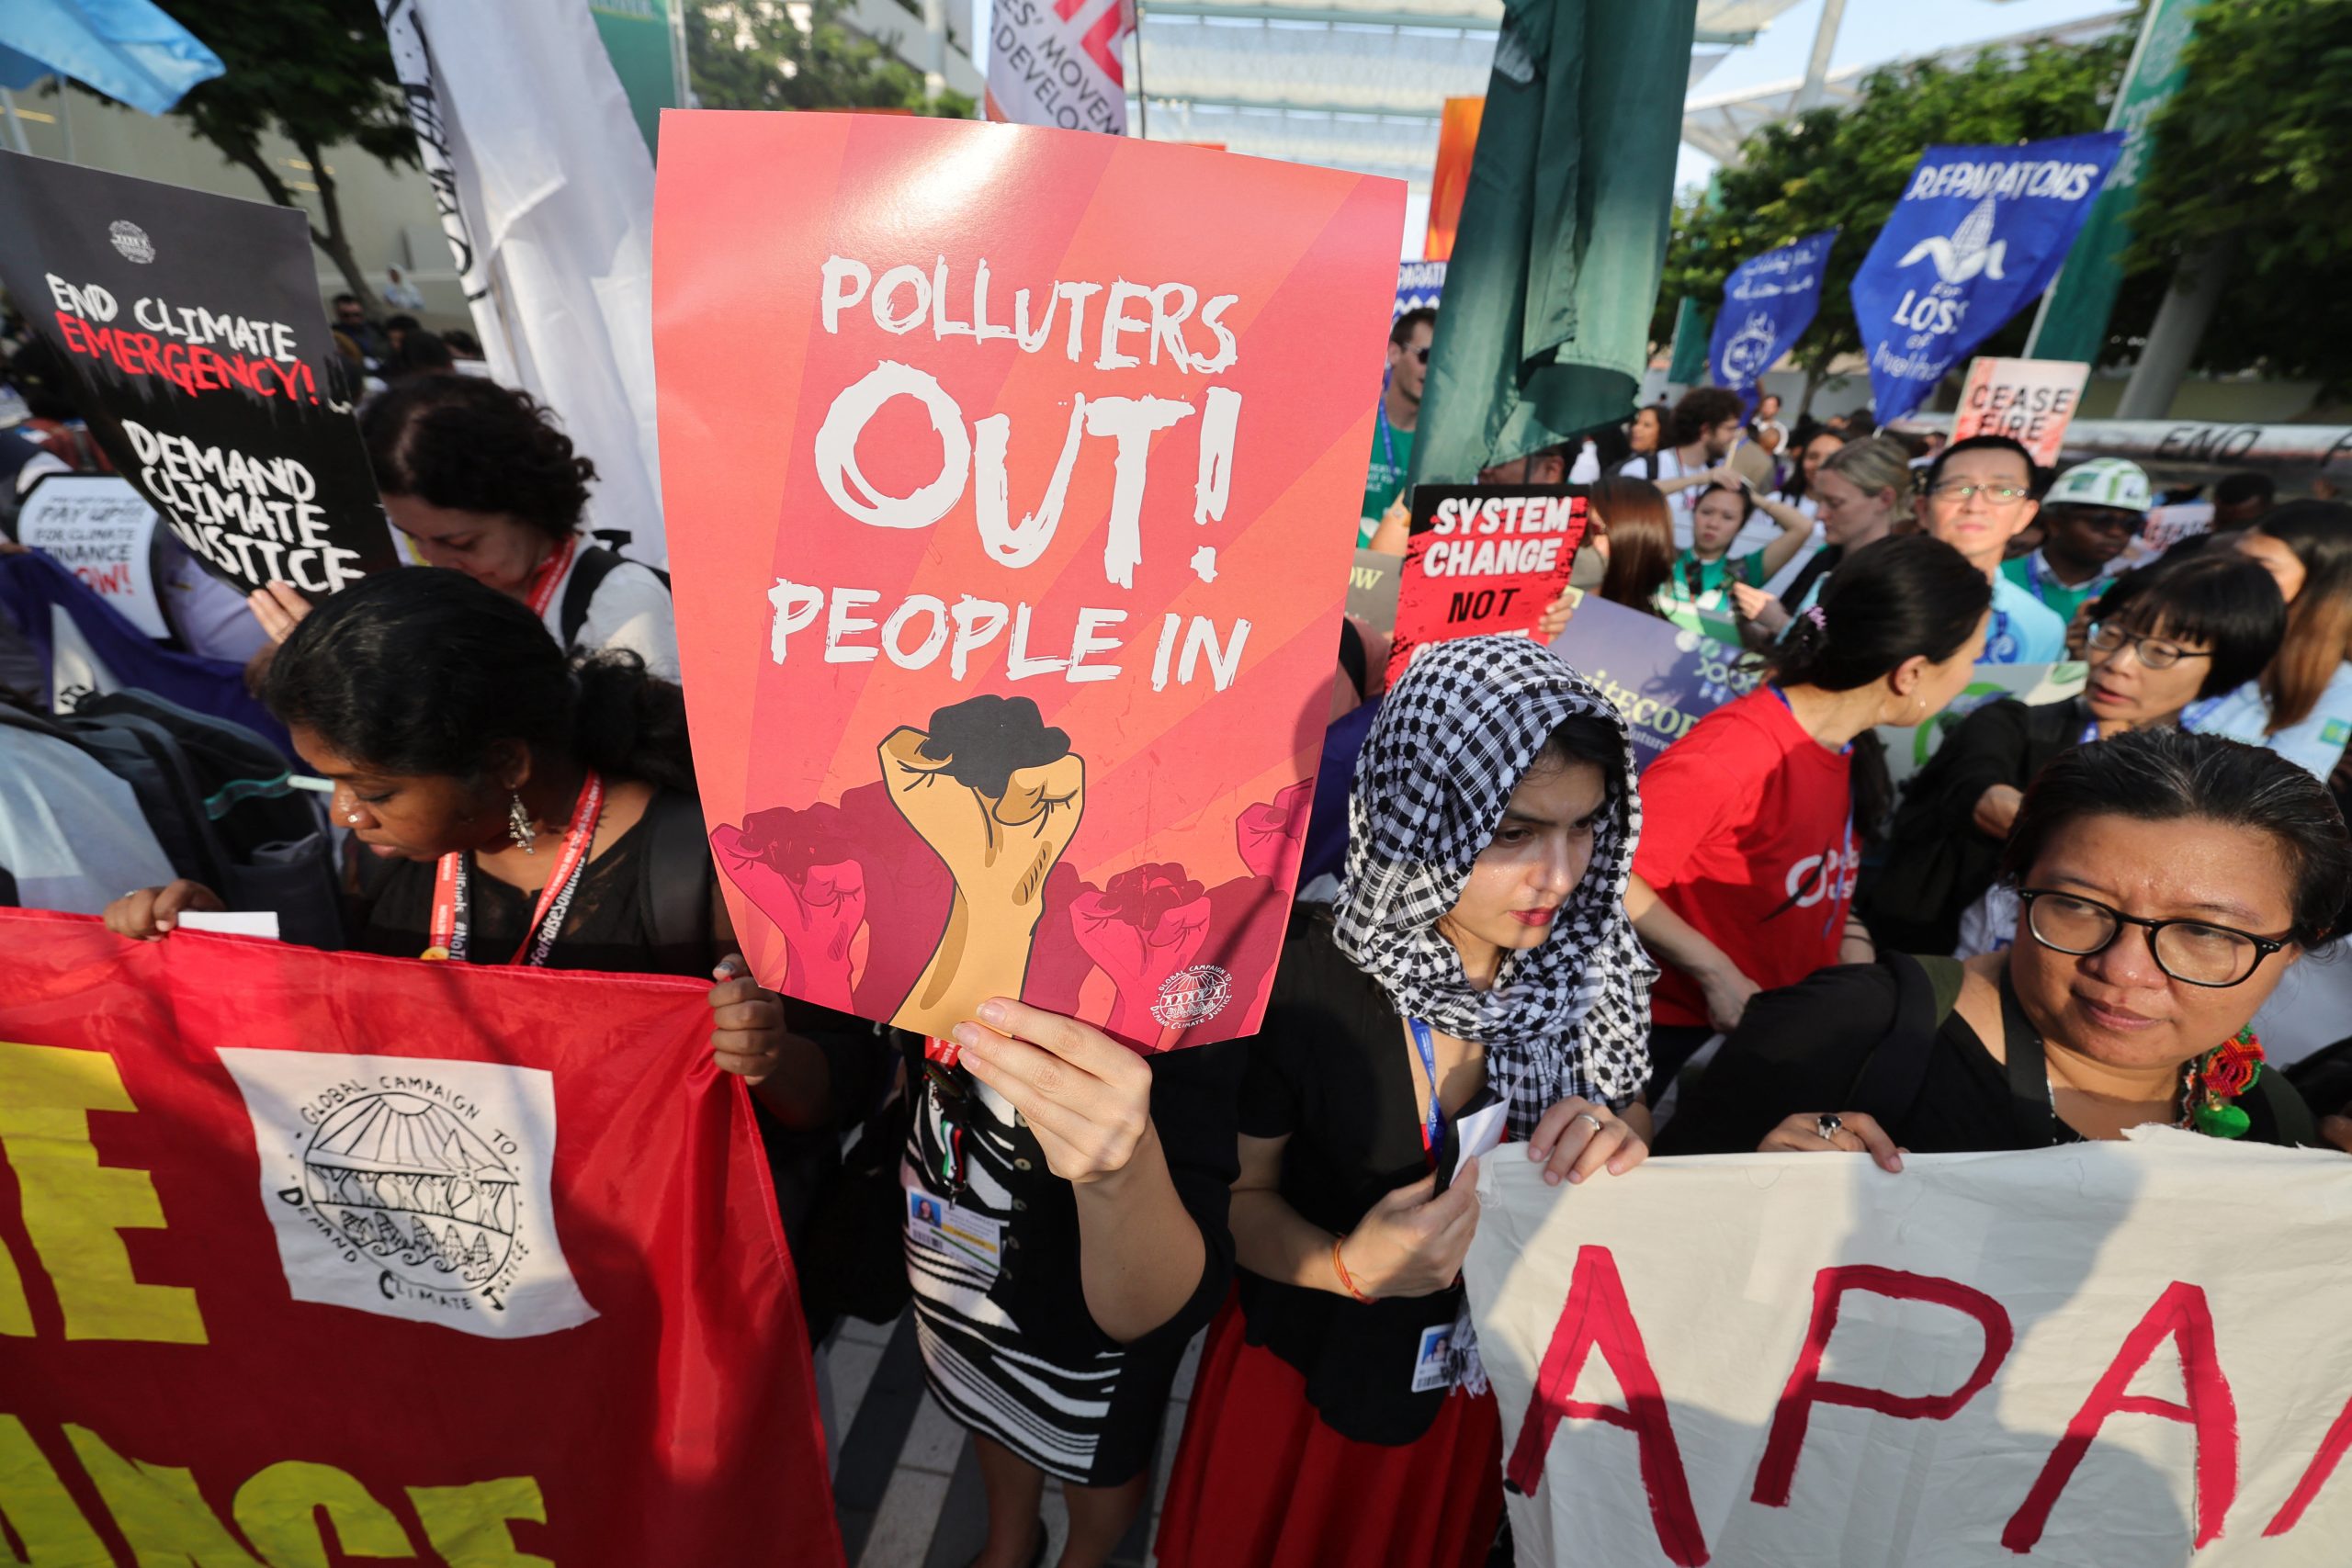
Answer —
1192 996
413 1188
130 241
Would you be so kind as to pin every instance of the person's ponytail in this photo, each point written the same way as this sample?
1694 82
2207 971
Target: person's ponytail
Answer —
630 723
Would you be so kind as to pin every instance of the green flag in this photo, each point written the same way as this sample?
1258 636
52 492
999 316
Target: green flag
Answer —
636 37
1693 327
2072 320
1545 325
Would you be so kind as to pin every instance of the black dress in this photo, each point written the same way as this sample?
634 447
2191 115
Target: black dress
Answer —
1804 1048
1329 1070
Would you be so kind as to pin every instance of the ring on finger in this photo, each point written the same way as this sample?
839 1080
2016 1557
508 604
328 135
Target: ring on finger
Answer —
1828 1127
1589 1116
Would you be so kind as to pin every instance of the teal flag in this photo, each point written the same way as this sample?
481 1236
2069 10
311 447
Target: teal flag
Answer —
1545 325
636 34
2072 322
1692 328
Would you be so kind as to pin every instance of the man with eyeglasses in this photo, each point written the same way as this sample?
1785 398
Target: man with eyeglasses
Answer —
1980 496
2090 517
1399 416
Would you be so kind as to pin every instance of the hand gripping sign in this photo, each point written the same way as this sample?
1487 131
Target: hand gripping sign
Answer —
998 480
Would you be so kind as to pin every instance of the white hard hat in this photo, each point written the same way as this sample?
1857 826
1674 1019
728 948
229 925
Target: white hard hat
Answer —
2102 481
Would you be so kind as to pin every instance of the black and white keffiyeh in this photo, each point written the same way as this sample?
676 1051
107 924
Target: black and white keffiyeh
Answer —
1453 740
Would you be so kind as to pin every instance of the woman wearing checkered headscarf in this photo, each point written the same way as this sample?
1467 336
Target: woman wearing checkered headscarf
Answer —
1478 966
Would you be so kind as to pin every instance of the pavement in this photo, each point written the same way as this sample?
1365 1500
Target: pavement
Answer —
906 1483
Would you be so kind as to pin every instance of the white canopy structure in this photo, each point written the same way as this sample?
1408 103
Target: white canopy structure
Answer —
1349 83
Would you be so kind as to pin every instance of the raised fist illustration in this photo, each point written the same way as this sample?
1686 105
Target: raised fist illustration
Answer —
997 794
796 866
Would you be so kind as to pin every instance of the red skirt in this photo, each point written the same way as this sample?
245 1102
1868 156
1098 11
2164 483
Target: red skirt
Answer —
1260 1482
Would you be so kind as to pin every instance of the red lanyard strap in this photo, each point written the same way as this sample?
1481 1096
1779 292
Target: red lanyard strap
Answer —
549 574
451 902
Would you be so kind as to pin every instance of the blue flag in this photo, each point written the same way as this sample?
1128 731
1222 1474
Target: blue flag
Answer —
1979 234
1767 304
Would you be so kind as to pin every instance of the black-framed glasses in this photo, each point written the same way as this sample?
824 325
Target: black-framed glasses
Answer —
2195 952
1957 491
2154 653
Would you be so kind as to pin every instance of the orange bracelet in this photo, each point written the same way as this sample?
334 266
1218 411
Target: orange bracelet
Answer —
1339 1267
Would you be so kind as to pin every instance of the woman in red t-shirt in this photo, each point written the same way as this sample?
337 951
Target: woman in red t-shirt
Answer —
1752 822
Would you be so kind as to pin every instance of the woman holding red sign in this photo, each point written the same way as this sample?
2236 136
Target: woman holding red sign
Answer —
1746 878
1477 976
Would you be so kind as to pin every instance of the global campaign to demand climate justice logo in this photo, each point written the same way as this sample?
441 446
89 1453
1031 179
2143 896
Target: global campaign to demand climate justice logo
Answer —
1978 234
1769 300
199 354
1014 699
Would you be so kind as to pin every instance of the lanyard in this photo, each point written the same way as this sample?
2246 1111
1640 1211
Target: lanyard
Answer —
551 572
1387 441
1433 1130
451 903
2000 647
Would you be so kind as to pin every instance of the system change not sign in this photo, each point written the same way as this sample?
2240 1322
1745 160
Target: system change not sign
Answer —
1001 490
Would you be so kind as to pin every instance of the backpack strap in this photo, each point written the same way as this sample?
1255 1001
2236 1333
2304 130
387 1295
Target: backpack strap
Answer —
588 574
2291 1113
1925 990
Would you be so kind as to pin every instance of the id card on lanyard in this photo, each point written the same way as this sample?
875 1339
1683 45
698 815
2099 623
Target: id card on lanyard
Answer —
452 902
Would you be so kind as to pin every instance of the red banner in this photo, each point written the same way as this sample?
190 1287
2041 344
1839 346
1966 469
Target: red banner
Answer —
465 1266
1004 487
1484 560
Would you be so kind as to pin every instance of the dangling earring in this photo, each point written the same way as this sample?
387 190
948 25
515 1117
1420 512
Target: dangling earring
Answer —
519 826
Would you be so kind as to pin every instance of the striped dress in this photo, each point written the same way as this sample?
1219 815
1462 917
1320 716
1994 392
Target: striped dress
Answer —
1011 1352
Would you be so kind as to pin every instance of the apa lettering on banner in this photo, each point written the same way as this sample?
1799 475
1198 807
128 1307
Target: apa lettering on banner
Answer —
1776 1473
2181 1315
1596 1316
2316 1474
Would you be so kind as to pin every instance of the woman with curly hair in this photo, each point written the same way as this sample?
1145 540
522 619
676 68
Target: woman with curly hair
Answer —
480 480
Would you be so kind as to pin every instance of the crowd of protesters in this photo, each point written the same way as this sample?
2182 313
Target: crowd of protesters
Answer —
2099 892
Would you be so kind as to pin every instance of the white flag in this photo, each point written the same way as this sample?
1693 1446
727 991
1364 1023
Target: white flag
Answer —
1056 62
545 192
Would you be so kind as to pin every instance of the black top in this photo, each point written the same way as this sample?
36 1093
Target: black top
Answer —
1038 1282
1938 861
1803 1047
1330 1069
617 922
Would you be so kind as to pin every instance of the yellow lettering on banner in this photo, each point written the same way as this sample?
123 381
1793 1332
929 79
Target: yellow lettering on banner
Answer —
467 1524
36 1507
276 1510
158 1509
73 1206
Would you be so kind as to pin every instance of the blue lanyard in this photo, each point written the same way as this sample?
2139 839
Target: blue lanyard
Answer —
1433 1131
2000 647
1387 442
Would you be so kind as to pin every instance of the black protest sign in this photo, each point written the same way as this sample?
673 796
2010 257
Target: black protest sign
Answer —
200 356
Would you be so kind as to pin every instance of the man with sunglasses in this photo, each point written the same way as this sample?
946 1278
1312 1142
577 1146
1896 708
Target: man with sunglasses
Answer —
1979 497
1399 416
2090 517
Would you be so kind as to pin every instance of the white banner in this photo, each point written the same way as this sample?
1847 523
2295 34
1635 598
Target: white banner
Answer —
1058 62
2030 401
103 531
2105 1355
546 193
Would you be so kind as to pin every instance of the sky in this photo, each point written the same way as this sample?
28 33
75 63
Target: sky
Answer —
1873 32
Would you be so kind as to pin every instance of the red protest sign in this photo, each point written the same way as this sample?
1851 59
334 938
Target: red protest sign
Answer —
999 483
483 1263
2031 401
1482 560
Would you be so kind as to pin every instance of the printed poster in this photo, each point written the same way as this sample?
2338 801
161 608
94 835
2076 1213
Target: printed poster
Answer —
2030 401
99 527
1663 677
300 1247
199 354
1482 560
1008 600
2104 1355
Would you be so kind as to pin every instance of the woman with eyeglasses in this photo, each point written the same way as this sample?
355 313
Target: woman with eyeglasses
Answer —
2301 707
2166 882
2165 636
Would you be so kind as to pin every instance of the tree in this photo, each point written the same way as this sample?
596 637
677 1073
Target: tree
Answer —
1846 168
752 54
318 74
2252 148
